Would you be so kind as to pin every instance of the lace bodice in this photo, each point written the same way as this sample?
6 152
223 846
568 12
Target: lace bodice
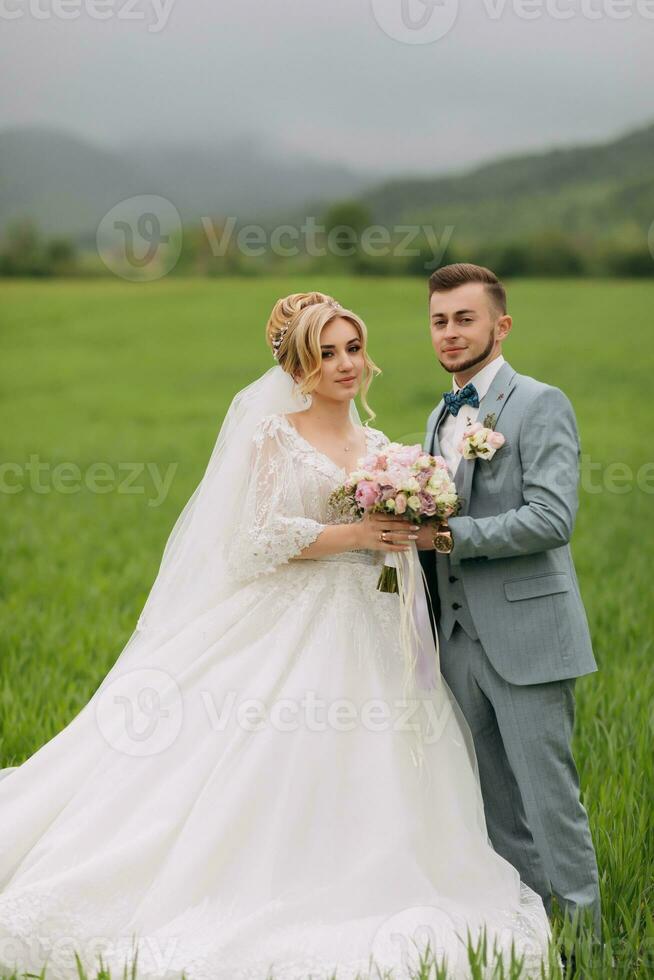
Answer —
286 505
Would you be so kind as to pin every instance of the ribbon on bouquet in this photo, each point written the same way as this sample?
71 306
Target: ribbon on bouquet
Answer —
420 653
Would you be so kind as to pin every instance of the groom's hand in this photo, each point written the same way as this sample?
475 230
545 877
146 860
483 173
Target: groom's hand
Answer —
426 533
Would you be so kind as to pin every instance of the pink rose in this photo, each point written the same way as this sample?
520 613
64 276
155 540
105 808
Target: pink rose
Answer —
396 476
372 462
427 504
408 455
400 503
367 494
495 439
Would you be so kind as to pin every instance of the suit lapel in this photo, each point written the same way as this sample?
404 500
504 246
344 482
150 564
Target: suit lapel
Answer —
434 446
493 401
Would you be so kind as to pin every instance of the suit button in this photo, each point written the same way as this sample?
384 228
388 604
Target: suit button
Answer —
456 605
453 578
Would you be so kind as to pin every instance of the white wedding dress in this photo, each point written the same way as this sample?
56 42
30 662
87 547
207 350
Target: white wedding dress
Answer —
289 835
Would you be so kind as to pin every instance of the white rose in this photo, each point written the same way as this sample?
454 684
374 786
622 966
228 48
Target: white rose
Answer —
436 482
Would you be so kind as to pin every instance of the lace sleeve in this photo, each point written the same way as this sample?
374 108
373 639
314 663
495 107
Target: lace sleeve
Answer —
272 527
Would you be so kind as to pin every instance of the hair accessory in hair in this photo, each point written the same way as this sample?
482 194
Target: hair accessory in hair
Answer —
277 342
332 302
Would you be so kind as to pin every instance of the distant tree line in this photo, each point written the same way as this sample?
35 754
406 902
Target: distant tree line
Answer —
24 252
350 242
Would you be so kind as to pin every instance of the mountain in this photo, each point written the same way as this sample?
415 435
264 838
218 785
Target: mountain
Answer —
63 183
605 189
66 184
241 179
594 193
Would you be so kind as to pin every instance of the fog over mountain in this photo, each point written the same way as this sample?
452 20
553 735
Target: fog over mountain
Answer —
66 185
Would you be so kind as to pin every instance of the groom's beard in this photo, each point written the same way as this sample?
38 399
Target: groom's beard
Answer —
460 368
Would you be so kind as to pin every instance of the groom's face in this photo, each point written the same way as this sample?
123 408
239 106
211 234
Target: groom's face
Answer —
466 329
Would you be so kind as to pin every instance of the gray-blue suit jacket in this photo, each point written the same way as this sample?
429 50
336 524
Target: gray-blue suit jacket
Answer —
511 537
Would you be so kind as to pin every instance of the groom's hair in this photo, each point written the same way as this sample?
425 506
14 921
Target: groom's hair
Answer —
450 276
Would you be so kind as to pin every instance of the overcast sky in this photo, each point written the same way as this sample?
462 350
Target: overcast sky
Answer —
342 80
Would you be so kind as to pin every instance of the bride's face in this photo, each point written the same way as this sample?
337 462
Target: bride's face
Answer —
342 360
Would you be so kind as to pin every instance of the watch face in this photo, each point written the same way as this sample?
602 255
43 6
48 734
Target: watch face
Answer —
442 542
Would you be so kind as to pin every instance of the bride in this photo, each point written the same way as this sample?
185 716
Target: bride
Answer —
247 794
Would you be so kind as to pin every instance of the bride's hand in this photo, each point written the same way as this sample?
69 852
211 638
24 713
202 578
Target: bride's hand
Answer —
398 532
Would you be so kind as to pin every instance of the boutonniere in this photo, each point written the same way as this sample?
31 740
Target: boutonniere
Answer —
481 440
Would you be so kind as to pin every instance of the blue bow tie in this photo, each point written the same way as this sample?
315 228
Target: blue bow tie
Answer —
465 396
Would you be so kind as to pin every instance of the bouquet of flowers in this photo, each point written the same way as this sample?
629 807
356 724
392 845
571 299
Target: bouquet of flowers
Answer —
402 480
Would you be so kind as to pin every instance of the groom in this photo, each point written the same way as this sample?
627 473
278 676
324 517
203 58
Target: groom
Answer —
512 628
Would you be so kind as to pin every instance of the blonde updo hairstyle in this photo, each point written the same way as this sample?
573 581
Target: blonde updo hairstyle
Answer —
299 352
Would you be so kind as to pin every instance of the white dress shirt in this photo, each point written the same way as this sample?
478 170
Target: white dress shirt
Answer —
450 431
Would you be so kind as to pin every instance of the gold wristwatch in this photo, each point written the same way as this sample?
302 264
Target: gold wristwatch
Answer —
442 538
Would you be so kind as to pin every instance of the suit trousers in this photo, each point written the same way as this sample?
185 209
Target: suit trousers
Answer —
528 777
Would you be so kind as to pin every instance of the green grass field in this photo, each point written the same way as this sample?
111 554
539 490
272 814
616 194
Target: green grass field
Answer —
139 375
